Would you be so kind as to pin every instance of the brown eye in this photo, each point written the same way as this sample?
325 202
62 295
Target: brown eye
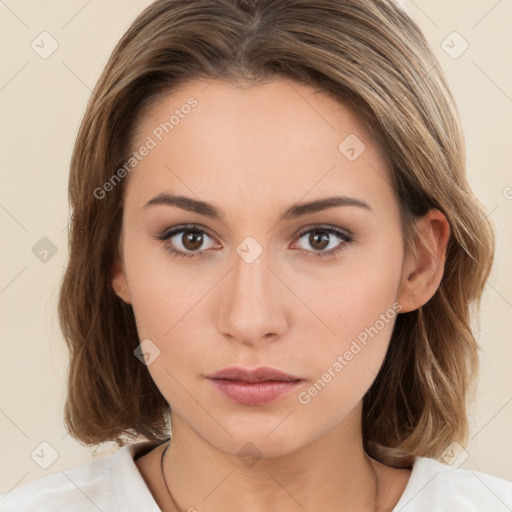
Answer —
192 240
320 238
186 241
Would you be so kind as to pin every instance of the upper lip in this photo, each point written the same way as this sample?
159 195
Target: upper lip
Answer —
261 374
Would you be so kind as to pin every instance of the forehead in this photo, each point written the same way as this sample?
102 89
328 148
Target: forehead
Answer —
278 142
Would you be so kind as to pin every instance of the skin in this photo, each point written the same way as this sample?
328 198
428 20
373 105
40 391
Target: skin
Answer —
252 152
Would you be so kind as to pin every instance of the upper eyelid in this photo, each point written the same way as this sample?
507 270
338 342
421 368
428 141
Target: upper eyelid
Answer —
324 226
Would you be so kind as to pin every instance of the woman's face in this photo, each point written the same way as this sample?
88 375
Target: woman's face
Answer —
258 280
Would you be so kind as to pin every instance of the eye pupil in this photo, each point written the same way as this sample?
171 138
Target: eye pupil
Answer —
192 240
319 241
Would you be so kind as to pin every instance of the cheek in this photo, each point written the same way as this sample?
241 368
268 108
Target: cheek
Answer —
344 368
162 292
353 294
358 310
167 301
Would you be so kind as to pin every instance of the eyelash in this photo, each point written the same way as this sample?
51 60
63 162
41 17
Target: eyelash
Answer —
345 237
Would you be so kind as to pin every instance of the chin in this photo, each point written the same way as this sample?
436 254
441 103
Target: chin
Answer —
262 440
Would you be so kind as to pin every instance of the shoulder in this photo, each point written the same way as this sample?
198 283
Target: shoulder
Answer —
109 483
434 486
77 486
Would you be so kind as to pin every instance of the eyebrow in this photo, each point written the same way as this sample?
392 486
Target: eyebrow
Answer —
292 212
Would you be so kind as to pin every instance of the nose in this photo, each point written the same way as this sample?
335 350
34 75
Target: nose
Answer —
252 303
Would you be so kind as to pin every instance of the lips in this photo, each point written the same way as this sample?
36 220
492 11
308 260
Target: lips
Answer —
245 375
255 387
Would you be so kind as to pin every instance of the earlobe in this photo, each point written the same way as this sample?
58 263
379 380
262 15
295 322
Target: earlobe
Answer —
423 272
119 283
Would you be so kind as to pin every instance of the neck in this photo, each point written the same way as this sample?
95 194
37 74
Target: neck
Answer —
331 473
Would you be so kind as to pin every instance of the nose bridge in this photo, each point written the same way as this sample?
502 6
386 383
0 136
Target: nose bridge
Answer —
252 306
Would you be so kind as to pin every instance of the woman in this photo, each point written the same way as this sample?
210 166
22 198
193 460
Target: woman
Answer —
273 253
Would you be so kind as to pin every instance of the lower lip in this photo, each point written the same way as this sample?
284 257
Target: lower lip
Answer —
257 393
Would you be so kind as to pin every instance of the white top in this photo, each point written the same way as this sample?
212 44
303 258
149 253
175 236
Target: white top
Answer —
114 484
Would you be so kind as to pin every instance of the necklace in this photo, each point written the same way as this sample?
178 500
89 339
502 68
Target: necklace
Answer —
376 480
163 474
377 486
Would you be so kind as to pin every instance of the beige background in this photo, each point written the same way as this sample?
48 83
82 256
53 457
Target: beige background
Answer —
41 104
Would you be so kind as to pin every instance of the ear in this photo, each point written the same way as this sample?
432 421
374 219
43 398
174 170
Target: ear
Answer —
421 275
119 282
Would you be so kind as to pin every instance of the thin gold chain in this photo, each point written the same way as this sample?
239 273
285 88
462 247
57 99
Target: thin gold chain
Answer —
163 474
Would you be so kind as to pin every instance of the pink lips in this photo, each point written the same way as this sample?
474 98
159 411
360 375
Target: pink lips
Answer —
254 387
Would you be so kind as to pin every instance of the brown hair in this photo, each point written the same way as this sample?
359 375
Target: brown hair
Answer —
368 54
